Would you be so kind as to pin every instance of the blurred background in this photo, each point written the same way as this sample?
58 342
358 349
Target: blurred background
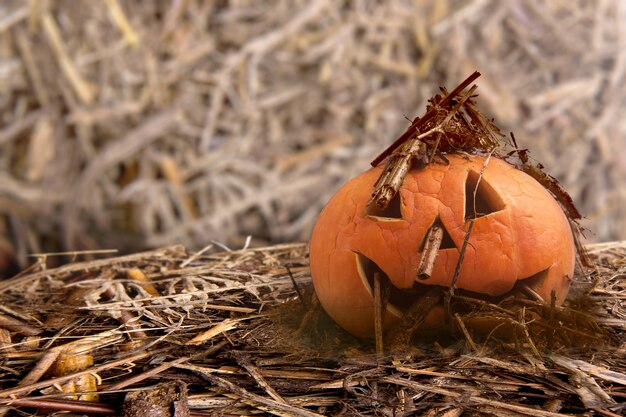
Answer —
130 125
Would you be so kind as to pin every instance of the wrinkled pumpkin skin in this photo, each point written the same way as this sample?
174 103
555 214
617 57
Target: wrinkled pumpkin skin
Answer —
527 234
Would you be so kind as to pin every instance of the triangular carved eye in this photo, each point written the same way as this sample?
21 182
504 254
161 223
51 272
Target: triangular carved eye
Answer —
480 197
392 211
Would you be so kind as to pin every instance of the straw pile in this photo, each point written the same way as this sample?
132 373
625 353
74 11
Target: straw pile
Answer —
132 125
234 333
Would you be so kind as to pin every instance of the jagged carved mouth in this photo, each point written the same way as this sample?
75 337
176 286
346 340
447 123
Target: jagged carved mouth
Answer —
399 300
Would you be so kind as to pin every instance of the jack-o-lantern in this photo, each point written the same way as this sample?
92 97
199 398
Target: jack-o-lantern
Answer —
520 233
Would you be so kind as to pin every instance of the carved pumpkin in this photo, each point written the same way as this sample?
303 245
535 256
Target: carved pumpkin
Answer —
520 233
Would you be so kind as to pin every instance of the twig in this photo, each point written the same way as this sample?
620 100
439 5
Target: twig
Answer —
434 237
26 50
551 320
165 366
529 411
400 161
80 266
256 375
379 312
457 269
605 412
40 368
86 407
196 255
295 286
530 293
468 337
522 324
18 326
311 315
418 122
246 395
65 378
395 171
583 256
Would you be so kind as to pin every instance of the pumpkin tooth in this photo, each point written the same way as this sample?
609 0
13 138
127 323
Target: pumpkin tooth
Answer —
397 300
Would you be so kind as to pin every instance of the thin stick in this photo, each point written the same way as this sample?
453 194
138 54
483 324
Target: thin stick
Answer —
86 407
18 326
74 254
399 163
275 406
295 285
551 321
254 372
40 368
32 69
522 322
530 293
431 250
378 316
80 266
13 130
68 377
457 270
395 171
165 366
418 122
131 323
605 412
468 337
529 411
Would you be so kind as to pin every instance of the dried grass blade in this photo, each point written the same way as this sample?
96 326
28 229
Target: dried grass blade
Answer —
222 327
275 407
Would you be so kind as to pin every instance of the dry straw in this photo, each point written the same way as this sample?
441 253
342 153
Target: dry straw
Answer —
228 334
140 124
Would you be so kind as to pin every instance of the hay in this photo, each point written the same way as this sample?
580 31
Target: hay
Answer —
227 334
141 124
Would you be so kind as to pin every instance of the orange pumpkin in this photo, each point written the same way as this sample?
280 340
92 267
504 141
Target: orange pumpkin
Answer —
520 233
